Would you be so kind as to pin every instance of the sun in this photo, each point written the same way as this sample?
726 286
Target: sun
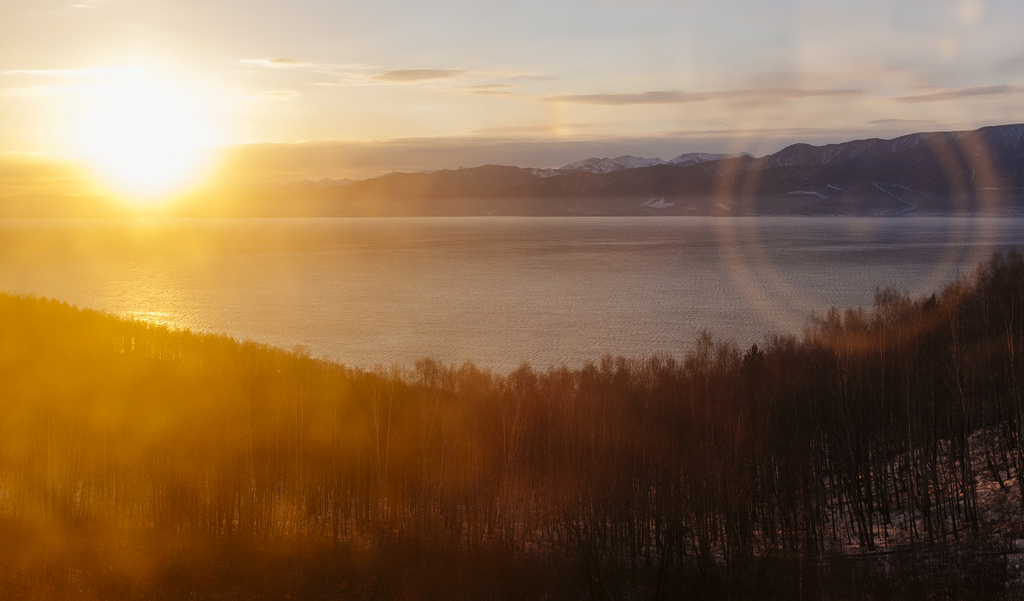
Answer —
144 138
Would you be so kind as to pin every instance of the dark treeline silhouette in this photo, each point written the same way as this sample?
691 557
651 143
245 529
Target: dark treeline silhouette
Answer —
876 456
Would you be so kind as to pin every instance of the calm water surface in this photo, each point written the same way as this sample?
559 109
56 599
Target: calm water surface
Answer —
497 291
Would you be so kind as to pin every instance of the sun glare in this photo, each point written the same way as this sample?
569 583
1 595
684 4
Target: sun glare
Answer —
145 139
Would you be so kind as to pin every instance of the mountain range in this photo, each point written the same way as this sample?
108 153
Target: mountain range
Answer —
960 172
604 165
979 171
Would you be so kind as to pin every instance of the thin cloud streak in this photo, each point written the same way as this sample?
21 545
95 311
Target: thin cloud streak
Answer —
519 131
89 4
487 86
82 72
285 64
961 93
678 97
900 122
417 75
277 63
488 90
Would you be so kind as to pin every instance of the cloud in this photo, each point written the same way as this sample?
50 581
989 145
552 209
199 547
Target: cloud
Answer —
81 72
900 122
416 75
796 134
515 131
961 93
342 70
529 77
678 97
662 97
356 74
276 63
494 89
88 4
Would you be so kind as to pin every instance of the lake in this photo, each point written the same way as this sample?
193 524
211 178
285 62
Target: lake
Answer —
497 291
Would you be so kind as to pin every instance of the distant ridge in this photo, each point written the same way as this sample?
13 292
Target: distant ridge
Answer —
603 165
932 173
964 172
1004 140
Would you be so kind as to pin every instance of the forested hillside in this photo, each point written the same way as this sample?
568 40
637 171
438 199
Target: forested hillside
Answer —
876 456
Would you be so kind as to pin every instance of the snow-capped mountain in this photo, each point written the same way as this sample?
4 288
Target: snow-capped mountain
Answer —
606 165
693 158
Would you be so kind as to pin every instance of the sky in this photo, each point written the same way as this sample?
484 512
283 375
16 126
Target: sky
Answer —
343 89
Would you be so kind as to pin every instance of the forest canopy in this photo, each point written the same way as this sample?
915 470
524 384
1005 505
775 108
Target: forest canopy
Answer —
143 462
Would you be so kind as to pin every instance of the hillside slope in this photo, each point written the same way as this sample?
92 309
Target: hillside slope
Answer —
878 456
